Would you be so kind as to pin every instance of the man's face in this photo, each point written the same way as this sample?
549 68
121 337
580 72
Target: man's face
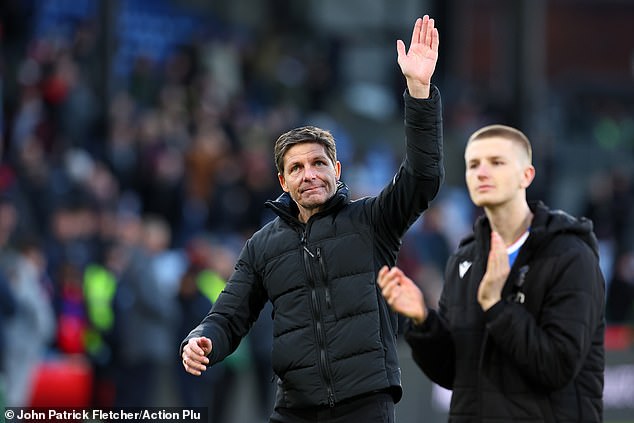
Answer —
309 177
497 171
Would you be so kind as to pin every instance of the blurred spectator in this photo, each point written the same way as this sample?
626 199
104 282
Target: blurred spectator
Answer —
185 132
99 288
73 234
166 266
426 253
428 241
142 318
29 331
210 145
610 206
7 311
199 287
620 296
161 172
72 321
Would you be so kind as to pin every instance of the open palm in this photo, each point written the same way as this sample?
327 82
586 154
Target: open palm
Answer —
418 63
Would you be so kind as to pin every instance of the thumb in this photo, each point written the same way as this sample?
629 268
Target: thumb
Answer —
497 244
205 344
400 48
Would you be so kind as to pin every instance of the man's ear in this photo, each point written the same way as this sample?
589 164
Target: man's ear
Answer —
282 180
338 169
528 176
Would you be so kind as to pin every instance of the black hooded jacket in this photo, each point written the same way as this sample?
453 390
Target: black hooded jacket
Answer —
535 356
334 337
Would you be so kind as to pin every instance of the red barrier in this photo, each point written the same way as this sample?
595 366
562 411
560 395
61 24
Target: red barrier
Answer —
619 337
63 382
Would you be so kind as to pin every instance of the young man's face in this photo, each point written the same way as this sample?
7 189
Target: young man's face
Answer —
309 177
497 171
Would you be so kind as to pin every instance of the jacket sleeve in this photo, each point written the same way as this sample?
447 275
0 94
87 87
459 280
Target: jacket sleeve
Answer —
433 349
551 351
420 175
235 310
432 344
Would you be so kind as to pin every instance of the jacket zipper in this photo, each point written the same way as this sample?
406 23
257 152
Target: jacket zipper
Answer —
316 314
324 279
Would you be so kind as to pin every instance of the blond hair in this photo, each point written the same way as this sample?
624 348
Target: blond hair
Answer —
506 132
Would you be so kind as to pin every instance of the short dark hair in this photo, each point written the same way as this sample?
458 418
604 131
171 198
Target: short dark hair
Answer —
301 135
507 132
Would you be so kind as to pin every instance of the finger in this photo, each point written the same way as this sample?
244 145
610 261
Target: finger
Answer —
196 358
424 29
398 274
389 289
205 345
400 48
498 264
387 283
417 30
380 279
493 264
190 354
186 353
497 245
195 364
496 242
391 293
428 33
190 369
194 348
391 282
435 39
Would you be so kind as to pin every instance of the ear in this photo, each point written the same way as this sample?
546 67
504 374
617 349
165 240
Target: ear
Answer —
528 176
282 180
338 169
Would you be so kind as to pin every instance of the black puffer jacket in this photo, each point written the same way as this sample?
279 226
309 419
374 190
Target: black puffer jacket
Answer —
537 361
334 336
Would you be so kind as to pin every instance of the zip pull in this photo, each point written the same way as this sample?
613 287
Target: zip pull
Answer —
323 276
309 252
302 241
518 295
522 276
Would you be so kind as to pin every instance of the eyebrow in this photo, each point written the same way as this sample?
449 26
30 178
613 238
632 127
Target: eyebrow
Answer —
311 158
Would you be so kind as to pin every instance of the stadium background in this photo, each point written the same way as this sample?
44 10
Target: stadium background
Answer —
119 79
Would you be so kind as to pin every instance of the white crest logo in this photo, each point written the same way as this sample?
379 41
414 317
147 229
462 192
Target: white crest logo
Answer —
463 267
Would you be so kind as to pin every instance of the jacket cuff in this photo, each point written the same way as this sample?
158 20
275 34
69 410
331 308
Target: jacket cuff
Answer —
424 113
495 311
424 327
434 93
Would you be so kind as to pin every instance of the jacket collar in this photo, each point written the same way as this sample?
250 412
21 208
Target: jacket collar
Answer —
286 208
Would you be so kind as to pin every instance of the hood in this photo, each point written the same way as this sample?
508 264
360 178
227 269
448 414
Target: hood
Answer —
546 224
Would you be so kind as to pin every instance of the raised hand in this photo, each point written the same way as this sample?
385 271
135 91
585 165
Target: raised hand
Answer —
402 294
419 61
498 269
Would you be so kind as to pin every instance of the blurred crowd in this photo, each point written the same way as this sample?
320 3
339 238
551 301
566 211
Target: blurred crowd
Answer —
120 220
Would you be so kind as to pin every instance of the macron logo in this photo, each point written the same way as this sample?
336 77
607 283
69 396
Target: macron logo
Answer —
463 267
